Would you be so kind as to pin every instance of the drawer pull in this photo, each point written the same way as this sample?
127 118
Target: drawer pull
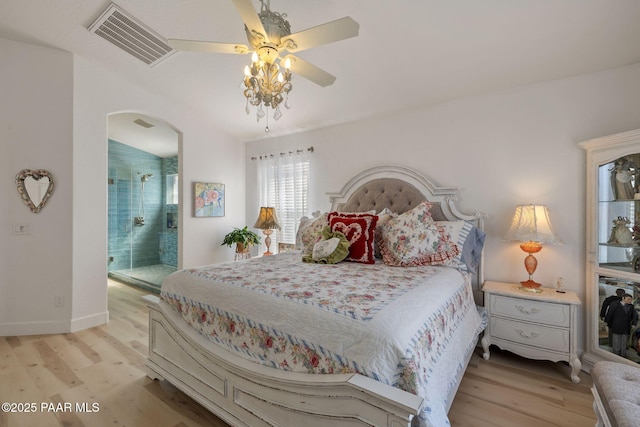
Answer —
522 310
523 334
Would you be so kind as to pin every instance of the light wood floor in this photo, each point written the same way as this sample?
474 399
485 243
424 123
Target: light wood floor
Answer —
102 369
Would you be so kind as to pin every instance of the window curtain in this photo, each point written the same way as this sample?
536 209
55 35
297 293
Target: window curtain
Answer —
283 183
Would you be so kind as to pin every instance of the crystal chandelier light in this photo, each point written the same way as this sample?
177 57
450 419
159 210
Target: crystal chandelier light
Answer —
266 86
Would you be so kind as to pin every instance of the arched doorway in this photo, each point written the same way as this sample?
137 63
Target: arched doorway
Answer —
144 212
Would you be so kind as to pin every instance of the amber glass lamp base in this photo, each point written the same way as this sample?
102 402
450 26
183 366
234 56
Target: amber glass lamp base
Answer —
530 264
530 284
267 241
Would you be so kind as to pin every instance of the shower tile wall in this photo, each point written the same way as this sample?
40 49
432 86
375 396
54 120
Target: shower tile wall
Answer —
134 245
169 238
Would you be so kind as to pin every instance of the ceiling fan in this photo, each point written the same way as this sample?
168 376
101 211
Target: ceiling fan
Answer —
269 36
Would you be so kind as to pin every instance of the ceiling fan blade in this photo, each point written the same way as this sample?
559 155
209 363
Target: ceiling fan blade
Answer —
251 18
330 32
309 71
212 47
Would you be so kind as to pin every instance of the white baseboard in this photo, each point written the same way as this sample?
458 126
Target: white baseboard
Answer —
53 327
87 322
34 328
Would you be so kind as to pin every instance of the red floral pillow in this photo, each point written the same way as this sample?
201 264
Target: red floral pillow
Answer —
359 230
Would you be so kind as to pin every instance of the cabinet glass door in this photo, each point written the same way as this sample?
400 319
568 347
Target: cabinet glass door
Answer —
611 291
613 238
619 214
619 250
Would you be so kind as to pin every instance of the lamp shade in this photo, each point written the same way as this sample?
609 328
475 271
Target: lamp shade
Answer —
531 224
267 219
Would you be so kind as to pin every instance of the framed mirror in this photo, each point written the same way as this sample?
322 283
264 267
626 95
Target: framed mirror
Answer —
35 187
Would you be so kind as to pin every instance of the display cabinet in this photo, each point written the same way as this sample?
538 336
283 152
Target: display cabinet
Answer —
613 238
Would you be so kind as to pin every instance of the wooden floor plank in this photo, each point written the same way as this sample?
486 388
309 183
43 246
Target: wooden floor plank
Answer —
105 366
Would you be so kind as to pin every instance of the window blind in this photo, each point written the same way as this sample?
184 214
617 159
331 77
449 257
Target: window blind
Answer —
283 183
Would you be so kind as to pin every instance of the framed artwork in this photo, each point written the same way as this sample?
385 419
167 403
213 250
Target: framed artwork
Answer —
285 247
208 199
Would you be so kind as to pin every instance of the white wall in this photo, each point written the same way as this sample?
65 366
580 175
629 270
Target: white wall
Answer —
205 155
36 112
55 117
501 149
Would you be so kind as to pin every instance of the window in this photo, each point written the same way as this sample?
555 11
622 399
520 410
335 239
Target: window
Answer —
283 182
172 189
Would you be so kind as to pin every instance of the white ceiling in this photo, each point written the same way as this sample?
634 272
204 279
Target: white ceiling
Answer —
409 53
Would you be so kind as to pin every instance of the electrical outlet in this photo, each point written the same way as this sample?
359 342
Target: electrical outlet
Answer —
20 229
59 301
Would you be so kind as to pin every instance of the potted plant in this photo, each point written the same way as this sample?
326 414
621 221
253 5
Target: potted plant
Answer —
243 238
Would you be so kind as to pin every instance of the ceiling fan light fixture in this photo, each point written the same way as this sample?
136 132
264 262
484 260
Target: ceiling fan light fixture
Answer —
275 25
267 85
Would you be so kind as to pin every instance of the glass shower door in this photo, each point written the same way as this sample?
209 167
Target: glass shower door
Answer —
119 218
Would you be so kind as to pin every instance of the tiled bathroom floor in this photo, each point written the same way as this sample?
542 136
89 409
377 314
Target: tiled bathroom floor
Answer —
149 278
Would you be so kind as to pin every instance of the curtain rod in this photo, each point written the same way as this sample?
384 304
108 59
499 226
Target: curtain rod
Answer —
271 156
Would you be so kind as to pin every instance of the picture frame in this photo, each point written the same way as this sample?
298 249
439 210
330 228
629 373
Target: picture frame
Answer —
285 247
208 199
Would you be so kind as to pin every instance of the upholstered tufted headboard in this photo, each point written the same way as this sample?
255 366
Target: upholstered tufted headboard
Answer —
397 195
401 189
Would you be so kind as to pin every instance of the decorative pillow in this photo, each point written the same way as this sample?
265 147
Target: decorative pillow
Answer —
324 248
469 240
414 238
472 249
383 217
331 249
359 228
458 231
309 232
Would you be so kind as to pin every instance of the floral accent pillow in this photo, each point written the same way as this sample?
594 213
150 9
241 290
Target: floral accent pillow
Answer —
469 240
359 228
458 231
309 232
414 238
383 217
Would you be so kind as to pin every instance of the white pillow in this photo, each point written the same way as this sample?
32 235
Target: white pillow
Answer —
324 248
458 230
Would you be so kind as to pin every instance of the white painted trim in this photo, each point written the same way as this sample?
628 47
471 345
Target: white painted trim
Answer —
34 328
86 322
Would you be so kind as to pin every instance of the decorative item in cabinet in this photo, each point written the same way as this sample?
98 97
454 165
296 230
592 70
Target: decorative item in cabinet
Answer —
620 233
625 178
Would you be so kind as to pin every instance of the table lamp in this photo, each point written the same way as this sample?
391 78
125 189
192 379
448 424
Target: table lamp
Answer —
267 221
532 227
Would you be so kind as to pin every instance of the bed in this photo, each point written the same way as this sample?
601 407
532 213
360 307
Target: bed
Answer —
282 342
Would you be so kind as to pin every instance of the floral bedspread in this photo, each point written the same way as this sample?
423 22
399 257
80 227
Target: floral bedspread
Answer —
404 326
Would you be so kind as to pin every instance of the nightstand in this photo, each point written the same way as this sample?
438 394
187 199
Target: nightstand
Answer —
539 326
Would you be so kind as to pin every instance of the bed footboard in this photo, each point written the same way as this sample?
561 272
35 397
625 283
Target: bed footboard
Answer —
243 393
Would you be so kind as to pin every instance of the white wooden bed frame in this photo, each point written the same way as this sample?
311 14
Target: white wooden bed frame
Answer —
243 393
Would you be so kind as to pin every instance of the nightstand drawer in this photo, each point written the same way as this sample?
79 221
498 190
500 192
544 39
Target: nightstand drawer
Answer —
531 335
531 310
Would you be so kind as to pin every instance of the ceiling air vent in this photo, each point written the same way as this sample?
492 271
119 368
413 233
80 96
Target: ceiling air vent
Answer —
142 123
130 35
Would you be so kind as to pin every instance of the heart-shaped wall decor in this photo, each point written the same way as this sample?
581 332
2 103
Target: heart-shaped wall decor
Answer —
35 187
